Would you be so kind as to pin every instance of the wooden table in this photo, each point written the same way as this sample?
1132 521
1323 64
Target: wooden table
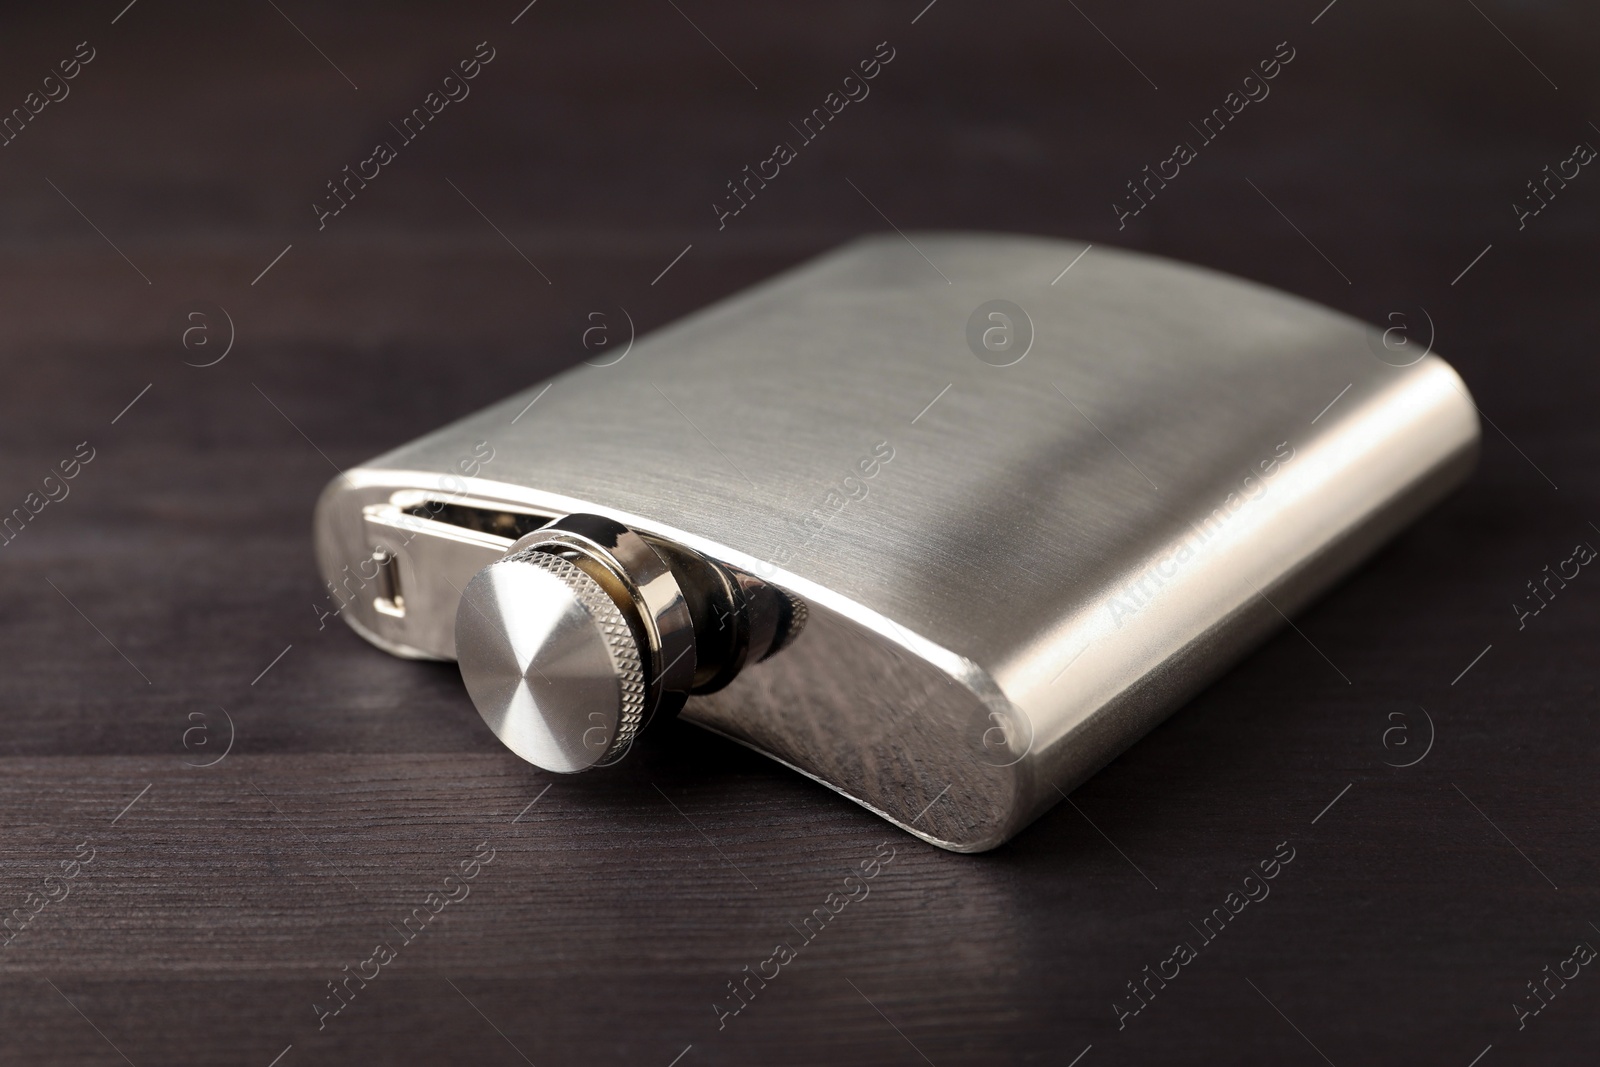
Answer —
169 591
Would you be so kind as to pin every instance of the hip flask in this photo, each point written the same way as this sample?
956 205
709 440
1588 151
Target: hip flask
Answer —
946 539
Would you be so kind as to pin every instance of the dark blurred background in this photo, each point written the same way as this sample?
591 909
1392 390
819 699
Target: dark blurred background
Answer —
178 173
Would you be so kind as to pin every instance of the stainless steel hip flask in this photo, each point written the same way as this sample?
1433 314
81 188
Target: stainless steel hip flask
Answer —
947 540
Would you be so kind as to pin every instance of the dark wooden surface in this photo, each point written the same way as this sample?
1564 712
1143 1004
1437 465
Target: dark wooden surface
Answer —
219 904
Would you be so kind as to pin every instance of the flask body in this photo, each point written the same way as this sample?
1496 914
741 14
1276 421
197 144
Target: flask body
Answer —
1021 542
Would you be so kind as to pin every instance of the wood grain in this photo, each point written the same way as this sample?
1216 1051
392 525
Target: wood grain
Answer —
618 907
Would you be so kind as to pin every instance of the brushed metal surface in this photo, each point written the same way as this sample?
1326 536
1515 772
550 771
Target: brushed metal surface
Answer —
1008 585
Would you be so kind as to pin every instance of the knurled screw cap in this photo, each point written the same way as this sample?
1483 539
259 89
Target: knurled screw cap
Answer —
549 662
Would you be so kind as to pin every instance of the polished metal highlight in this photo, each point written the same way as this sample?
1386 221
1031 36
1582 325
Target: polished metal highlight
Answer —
584 631
948 582
550 662
642 586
